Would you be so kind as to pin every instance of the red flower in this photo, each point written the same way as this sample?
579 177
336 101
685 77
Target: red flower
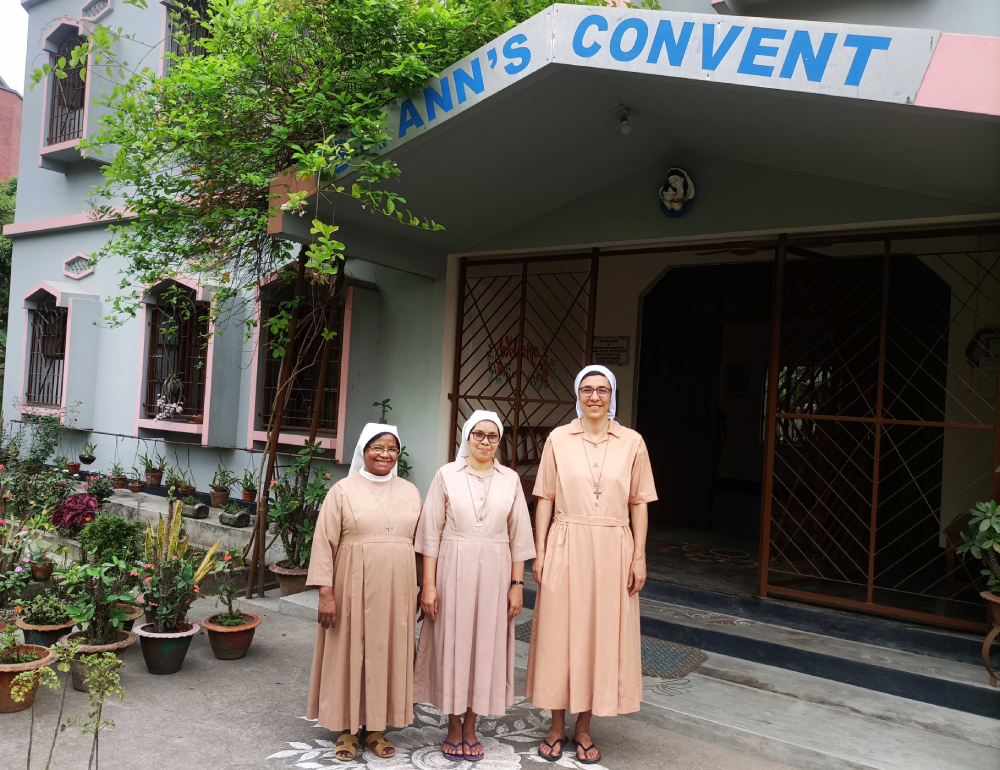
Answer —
147 580
133 573
197 590
149 566
274 483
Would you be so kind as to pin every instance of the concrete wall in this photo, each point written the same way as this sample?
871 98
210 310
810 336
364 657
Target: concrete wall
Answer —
10 132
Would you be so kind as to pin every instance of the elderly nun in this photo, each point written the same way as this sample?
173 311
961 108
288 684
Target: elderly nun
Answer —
364 567
585 651
475 535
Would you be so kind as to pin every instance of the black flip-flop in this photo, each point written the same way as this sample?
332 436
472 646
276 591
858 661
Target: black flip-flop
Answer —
555 756
580 747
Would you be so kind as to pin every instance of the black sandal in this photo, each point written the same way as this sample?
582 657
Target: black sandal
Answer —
555 756
580 747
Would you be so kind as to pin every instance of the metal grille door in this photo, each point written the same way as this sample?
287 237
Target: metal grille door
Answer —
525 329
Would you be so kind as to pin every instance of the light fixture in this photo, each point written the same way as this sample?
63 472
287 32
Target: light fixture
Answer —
626 128
622 113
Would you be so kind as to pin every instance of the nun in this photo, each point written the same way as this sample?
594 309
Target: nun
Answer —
364 567
585 652
475 535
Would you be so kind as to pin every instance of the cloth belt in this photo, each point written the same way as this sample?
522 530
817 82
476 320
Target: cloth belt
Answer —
590 521
375 539
487 538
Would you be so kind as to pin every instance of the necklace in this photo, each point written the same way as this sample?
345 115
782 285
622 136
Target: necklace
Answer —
480 514
388 521
596 482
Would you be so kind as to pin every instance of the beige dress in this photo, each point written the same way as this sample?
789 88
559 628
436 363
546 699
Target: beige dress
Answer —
585 642
466 656
362 671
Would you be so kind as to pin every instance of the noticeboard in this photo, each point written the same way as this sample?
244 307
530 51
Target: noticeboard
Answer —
610 351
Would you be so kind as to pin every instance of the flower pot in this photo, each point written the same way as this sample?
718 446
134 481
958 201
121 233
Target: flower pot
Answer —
10 670
164 653
249 496
44 636
231 642
119 482
87 459
993 604
136 486
154 479
73 468
42 571
291 580
219 499
185 491
78 669
197 419
135 612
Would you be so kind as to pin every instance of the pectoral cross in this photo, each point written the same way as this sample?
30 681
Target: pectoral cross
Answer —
388 527
597 491
479 526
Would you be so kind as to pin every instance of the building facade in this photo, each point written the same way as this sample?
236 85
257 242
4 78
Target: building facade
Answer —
10 130
780 231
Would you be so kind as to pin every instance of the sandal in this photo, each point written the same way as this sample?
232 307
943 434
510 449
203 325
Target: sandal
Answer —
346 743
378 744
580 747
473 757
554 757
453 757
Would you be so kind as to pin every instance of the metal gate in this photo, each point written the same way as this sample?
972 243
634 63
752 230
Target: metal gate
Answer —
882 425
525 328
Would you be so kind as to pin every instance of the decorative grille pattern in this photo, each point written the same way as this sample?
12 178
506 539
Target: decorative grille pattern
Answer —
178 333
47 355
68 97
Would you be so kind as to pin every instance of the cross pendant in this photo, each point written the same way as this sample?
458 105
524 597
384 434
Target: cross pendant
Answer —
388 527
597 491
479 526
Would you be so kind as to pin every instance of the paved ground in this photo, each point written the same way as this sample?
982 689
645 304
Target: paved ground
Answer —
248 714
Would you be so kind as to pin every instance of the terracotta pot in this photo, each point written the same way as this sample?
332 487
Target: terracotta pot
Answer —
197 419
136 486
78 669
185 491
119 482
993 604
87 459
231 642
135 612
154 479
42 572
249 497
45 636
219 499
73 467
164 653
291 580
10 670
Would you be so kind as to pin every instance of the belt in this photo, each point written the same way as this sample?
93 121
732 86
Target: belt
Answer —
590 521
487 538
376 539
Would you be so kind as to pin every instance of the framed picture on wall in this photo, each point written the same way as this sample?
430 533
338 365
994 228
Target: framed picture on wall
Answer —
736 380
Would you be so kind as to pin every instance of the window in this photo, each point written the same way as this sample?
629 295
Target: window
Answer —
184 27
47 355
175 361
68 97
298 411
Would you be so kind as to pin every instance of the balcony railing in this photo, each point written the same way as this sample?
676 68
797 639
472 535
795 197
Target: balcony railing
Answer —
69 96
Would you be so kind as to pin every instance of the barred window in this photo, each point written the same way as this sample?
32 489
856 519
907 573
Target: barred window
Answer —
47 356
184 26
69 96
175 365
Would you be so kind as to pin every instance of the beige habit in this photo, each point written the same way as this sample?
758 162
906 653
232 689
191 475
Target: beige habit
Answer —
466 657
362 672
585 644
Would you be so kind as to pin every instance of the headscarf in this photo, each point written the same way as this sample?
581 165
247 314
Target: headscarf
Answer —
477 416
370 431
597 369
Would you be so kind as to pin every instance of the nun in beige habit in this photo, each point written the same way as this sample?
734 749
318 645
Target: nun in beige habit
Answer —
475 535
364 566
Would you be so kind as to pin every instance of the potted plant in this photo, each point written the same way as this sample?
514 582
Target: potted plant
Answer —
75 513
87 455
231 632
118 478
170 583
136 485
249 485
222 481
14 570
181 482
294 509
234 515
983 542
41 564
72 468
44 620
16 659
153 467
62 463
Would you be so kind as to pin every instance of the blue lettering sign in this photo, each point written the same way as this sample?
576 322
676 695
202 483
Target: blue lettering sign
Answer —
641 34
520 52
442 100
710 58
408 118
748 64
586 51
865 45
814 63
664 38
474 81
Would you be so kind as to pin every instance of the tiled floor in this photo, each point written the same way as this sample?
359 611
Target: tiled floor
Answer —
703 559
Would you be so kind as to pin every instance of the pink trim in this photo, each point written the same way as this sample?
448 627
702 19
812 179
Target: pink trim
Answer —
24 357
76 276
47 149
167 425
200 291
345 354
66 349
284 183
43 286
209 357
40 410
297 439
99 16
65 222
963 75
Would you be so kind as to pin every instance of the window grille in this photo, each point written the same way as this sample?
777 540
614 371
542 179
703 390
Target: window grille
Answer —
47 355
68 97
184 18
175 366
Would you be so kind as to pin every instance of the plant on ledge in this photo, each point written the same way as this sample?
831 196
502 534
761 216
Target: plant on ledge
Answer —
983 541
249 482
295 506
74 514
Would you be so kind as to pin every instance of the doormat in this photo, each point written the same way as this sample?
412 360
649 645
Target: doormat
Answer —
664 660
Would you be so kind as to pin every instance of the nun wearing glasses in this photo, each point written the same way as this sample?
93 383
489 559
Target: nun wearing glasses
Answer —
364 567
475 535
593 484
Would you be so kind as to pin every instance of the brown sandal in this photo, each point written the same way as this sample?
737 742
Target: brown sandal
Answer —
378 744
580 747
346 743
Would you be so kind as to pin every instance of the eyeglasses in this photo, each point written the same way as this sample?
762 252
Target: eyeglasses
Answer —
586 391
478 436
381 450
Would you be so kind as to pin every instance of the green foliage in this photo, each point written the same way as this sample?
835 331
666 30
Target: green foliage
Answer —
384 406
983 540
297 495
96 594
100 486
249 482
153 463
46 609
8 648
45 435
110 536
223 479
8 202
403 467
190 500
225 570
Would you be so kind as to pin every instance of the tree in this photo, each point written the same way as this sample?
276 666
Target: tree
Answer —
8 201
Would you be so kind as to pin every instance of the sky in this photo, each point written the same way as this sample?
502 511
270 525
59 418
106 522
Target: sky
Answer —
13 43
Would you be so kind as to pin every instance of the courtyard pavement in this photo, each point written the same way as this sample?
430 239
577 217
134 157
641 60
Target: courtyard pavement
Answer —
249 714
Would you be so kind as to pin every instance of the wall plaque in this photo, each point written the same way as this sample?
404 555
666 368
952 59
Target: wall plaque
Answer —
610 351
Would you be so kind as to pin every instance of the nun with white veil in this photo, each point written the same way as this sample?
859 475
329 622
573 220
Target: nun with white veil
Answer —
364 567
594 481
475 535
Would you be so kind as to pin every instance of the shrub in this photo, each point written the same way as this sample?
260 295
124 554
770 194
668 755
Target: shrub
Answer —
46 609
74 514
109 535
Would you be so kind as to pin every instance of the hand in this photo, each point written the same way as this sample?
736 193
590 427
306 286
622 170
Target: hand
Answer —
636 576
327 608
429 602
536 567
515 602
